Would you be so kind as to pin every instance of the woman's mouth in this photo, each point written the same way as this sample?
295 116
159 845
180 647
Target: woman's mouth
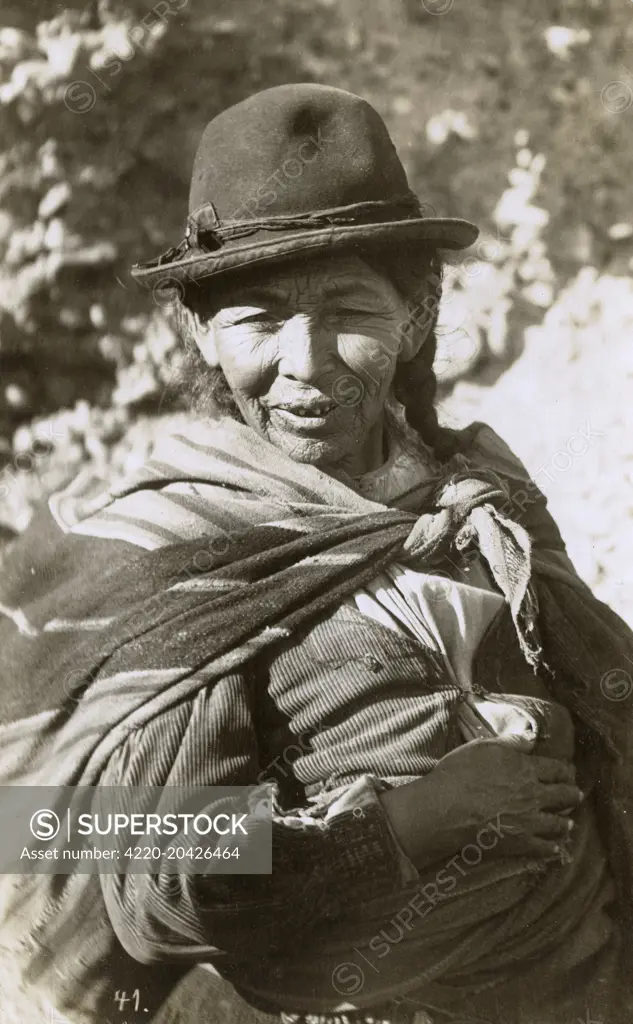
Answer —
305 417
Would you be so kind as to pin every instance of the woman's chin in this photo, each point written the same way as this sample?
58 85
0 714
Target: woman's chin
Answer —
315 451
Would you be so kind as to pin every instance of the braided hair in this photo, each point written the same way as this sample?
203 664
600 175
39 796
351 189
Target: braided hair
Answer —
416 273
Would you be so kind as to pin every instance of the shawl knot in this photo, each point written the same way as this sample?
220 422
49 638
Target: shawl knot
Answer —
467 517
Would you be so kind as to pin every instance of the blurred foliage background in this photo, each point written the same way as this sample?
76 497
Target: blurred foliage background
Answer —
516 116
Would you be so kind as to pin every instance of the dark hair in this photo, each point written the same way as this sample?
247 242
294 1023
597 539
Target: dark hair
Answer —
416 272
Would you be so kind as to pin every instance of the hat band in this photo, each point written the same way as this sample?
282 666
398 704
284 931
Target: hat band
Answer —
206 231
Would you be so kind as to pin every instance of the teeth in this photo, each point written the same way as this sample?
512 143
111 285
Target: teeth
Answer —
321 411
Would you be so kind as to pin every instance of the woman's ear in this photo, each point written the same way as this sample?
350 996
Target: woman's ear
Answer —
205 338
418 326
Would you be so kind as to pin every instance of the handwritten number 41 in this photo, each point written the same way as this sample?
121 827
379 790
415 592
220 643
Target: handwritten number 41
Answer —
121 998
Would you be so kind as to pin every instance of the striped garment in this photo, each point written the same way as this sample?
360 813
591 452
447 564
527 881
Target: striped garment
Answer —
241 549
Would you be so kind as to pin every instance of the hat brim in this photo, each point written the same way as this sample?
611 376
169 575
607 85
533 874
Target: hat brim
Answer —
439 232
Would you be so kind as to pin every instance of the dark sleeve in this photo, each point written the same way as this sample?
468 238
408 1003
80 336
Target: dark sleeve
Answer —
322 865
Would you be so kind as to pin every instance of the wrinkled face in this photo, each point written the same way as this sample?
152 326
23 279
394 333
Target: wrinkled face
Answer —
309 353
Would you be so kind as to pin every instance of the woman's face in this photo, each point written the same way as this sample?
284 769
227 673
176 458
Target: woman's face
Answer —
309 353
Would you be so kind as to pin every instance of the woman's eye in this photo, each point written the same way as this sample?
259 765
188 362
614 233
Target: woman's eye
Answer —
259 318
344 312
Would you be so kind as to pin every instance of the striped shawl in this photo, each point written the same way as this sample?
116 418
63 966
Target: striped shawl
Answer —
135 597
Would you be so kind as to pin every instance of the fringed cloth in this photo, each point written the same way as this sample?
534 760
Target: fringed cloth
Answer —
243 547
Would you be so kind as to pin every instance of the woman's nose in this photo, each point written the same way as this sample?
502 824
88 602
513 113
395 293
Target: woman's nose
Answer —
305 349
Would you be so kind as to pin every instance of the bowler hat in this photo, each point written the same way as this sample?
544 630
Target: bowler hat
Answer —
296 170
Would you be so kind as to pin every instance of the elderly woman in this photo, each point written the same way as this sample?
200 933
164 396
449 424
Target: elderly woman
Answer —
316 585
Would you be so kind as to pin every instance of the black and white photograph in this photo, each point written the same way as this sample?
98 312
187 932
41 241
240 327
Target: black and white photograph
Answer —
316 512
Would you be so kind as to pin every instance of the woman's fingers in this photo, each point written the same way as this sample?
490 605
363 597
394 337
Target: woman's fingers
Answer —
549 826
549 849
559 797
552 770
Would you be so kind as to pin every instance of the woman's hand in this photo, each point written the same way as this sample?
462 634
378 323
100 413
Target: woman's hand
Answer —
481 784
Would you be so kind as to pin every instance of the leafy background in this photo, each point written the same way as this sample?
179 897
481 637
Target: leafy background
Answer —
516 116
